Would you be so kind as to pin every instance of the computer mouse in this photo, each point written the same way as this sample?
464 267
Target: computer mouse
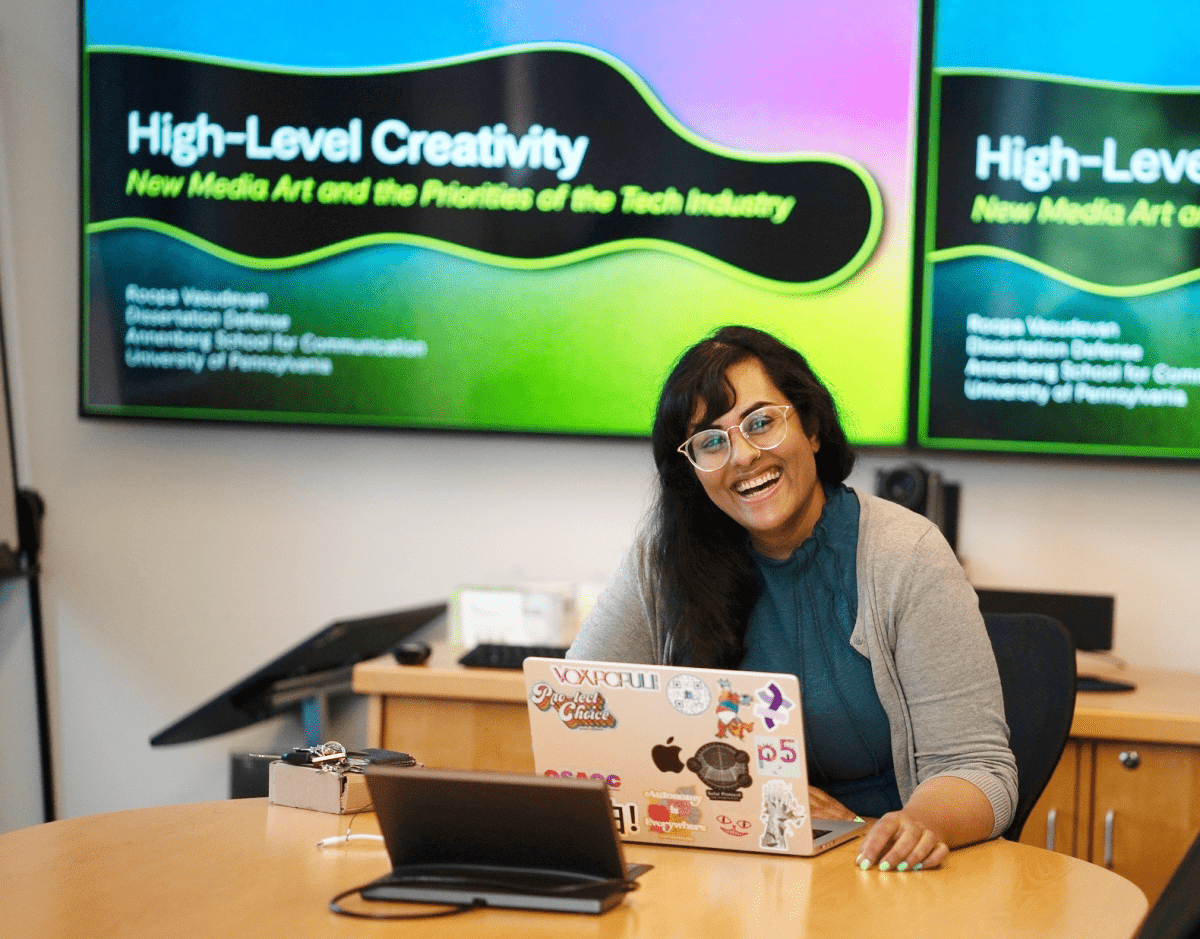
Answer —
411 653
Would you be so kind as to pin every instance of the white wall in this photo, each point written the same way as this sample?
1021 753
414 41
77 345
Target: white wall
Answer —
178 558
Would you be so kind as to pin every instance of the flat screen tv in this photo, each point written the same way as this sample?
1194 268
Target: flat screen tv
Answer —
1061 287
489 216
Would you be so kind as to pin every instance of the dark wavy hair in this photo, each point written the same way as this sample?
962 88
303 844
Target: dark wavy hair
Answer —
701 558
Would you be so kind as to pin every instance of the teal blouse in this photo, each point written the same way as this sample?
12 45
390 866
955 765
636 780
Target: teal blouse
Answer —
802 624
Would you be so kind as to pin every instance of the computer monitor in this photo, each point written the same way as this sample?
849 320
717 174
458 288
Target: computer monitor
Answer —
1087 617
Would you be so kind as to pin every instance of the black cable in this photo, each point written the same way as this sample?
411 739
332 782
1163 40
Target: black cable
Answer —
454 910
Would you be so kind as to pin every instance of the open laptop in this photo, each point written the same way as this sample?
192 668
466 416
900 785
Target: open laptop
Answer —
703 757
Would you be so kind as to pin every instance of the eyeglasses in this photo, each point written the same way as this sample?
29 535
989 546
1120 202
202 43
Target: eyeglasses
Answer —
763 429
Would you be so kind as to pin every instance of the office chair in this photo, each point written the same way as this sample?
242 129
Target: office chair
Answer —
1176 912
1036 659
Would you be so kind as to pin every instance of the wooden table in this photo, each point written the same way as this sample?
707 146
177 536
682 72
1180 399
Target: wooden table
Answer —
1135 819
245 868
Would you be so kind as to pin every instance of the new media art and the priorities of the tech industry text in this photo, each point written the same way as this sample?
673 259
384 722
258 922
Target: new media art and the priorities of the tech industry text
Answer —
392 142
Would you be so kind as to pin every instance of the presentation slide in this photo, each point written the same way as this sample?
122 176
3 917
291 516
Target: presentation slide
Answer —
1062 278
502 216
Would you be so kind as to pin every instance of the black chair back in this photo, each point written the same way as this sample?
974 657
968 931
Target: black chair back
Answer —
1036 660
1176 912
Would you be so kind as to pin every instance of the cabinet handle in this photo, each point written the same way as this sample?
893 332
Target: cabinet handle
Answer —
1051 819
1129 759
1110 818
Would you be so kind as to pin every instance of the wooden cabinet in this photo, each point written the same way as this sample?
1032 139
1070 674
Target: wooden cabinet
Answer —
1145 809
1127 795
1055 820
446 715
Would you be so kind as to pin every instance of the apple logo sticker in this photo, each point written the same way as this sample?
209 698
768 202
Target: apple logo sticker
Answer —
666 757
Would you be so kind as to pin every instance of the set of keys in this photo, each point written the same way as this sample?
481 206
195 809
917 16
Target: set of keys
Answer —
334 757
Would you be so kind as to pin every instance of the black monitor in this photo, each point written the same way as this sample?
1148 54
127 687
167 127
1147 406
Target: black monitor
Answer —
1087 617
332 651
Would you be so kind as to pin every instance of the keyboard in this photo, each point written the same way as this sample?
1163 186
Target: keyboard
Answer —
1096 683
497 655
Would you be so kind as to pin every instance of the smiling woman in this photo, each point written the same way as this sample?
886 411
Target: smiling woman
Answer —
758 556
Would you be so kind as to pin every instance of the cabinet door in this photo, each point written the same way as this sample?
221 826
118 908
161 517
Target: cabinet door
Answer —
458 734
1054 822
1147 810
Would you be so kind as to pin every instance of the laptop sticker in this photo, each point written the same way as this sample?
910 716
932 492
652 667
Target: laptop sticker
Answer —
688 695
737 827
772 705
614 678
674 814
626 816
612 780
778 756
579 709
728 702
666 757
781 811
723 769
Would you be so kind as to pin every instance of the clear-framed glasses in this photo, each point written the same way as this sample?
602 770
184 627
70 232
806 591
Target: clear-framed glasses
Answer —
764 429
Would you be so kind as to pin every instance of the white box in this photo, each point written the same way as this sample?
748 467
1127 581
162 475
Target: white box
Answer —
308 787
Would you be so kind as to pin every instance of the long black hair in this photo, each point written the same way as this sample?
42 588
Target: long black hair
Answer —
701 557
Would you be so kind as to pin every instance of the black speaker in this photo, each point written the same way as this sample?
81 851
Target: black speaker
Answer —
925 492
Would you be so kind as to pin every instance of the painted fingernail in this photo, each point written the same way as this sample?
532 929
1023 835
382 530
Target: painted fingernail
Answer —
902 866
917 866
864 864
885 866
859 819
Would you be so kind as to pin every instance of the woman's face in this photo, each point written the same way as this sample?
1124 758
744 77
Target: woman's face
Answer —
774 494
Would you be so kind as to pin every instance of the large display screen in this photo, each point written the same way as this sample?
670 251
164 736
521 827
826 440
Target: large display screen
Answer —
489 215
1062 276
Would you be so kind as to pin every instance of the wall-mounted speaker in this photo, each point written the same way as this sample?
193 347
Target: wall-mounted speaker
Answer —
925 492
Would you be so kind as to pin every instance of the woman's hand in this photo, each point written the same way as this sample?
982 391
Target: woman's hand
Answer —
944 812
900 841
823 805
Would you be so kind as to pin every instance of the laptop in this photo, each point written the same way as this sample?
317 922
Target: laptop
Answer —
709 758
497 839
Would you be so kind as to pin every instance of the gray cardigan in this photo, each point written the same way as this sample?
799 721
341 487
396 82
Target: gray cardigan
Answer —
919 625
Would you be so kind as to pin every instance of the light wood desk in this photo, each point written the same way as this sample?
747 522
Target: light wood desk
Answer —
245 868
446 715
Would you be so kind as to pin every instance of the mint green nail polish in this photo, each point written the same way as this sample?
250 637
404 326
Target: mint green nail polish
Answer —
917 866
865 864
902 866
859 819
885 866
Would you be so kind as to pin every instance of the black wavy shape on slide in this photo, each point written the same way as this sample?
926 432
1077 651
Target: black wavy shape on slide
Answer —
633 141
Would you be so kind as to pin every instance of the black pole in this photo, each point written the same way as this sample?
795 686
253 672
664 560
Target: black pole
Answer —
30 509
43 698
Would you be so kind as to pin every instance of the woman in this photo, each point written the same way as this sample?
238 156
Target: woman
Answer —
758 556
